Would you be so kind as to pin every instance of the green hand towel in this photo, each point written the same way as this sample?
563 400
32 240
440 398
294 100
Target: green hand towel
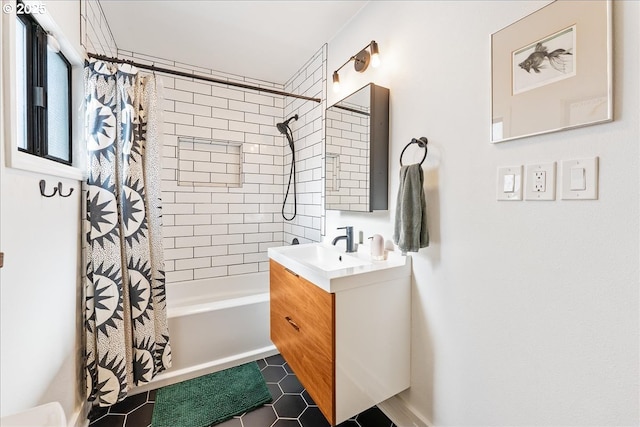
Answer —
410 231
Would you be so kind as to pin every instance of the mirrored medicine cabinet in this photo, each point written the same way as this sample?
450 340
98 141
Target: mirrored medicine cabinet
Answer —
357 151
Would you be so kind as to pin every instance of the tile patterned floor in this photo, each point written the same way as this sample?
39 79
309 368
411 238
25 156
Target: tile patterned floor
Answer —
291 407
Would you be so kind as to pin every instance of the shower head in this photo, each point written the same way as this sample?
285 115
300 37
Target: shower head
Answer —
283 127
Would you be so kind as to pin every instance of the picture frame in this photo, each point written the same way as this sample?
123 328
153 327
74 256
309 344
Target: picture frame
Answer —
552 70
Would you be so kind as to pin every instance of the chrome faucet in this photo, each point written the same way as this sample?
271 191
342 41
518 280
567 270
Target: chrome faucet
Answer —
351 247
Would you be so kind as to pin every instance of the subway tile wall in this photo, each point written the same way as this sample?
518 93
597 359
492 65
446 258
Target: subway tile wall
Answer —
95 34
308 133
212 231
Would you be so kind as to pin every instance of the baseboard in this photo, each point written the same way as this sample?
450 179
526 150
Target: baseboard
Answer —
172 377
402 414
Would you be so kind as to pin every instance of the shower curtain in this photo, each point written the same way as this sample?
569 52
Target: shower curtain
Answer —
127 338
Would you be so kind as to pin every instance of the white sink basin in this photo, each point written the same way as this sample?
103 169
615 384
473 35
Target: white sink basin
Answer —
325 257
334 270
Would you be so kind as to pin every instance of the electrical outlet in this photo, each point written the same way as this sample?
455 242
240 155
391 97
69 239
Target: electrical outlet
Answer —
540 181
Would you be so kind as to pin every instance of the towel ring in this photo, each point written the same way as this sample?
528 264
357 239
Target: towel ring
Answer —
422 143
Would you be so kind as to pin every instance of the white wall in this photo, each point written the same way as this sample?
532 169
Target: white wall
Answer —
39 284
524 313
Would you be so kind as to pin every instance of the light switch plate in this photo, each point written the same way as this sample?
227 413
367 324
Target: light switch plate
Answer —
540 181
590 167
508 191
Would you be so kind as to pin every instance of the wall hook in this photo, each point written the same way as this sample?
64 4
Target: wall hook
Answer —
56 190
60 190
43 185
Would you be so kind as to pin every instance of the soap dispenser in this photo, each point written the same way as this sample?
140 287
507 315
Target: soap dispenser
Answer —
377 247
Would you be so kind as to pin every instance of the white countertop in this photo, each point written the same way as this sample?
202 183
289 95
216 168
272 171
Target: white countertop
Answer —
338 279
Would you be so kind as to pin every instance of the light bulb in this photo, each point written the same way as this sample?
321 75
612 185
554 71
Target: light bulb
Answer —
336 82
375 60
375 54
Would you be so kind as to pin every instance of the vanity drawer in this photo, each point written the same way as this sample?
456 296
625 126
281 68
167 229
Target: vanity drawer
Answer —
302 328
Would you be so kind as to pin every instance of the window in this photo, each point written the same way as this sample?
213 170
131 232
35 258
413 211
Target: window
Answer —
43 94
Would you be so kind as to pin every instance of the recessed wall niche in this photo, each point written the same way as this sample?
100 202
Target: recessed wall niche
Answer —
209 162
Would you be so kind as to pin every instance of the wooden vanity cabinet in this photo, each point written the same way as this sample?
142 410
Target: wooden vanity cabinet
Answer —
349 349
302 325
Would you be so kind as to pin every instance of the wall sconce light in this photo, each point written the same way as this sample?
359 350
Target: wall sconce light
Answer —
361 61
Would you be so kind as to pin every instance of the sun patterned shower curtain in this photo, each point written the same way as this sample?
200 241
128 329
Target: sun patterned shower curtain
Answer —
127 338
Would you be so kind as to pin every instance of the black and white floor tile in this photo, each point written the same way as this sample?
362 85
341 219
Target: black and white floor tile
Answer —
291 406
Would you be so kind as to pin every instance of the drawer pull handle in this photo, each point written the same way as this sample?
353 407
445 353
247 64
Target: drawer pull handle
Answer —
292 323
291 272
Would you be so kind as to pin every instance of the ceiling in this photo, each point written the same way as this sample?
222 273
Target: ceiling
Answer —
263 40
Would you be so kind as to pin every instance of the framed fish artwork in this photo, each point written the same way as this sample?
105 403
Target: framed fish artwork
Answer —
552 70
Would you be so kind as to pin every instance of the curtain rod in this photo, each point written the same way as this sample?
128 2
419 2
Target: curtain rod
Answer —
200 77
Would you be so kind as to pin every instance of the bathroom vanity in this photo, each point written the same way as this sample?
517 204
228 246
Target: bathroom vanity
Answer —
342 322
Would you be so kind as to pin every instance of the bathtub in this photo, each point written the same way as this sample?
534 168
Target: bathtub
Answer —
215 324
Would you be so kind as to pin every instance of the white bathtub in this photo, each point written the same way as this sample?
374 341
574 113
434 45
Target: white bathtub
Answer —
215 324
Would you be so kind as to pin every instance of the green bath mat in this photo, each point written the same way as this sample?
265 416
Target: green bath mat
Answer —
210 399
